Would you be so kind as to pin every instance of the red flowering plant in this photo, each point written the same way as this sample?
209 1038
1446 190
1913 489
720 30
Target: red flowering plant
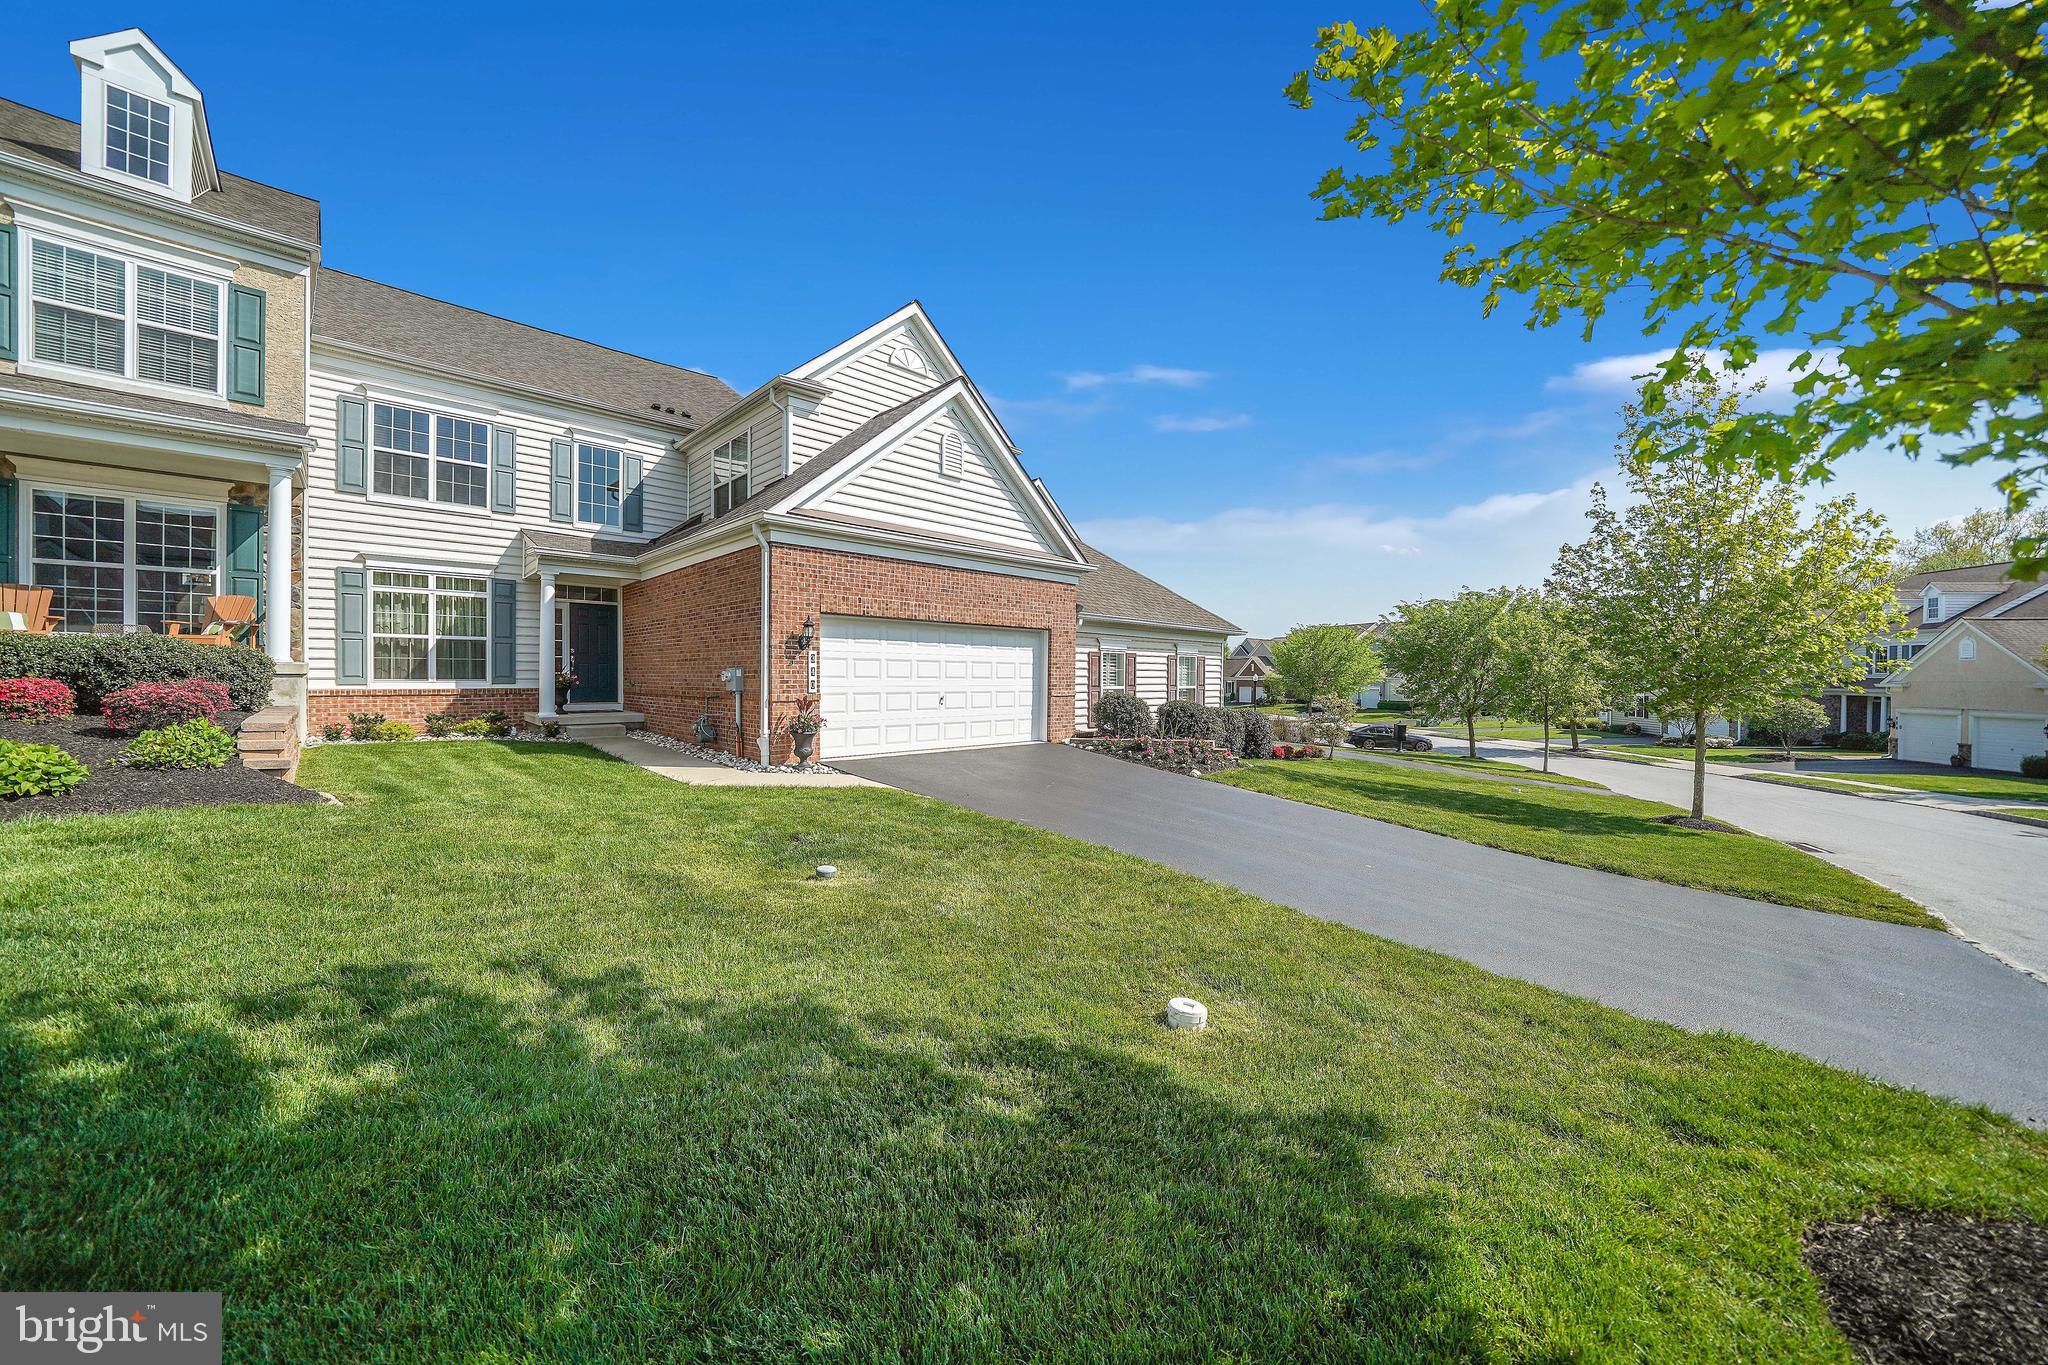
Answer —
35 700
808 720
151 706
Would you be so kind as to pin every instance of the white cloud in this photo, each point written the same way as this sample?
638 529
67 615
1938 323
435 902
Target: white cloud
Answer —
1014 410
1170 376
1623 374
1235 420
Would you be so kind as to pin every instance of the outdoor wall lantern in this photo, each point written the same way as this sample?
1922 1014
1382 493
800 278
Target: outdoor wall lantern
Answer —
807 634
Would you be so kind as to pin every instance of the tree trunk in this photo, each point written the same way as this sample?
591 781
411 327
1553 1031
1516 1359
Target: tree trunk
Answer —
1699 765
1575 734
1546 739
1472 734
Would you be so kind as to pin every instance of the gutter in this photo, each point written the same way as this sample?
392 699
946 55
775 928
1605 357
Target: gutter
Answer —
144 417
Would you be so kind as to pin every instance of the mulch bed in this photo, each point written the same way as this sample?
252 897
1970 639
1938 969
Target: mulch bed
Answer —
113 788
1162 763
1908 1287
1690 822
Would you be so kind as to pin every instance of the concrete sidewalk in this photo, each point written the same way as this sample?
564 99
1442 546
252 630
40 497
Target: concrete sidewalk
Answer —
677 766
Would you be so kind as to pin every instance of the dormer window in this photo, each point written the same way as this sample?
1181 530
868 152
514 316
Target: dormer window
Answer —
138 135
1932 607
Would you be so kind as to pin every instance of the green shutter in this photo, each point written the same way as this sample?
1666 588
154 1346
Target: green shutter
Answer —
562 481
9 349
629 501
10 532
351 444
245 554
351 627
504 631
504 470
245 343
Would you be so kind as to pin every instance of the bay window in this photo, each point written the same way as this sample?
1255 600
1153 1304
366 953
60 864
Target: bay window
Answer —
428 627
94 311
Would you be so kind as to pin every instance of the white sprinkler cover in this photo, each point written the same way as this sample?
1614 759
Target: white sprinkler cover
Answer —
826 872
1182 1012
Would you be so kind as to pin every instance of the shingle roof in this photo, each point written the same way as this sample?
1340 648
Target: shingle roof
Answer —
1986 578
1117 592
2024 636
362 312
53 141
37 386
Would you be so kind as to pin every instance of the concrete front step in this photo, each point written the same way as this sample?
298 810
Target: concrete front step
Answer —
590 724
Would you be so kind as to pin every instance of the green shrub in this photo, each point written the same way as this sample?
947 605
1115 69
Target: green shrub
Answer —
37 770
389 731
363 724
1396 706
197 743
1257 739
440 724
1190 720
1122 714
96 665
476 727
334 732
2034 765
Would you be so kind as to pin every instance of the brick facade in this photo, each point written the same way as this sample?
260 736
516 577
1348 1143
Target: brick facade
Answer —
414 704
683 627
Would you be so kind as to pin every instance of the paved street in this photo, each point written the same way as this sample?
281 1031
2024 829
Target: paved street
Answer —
1914 1006
1987 877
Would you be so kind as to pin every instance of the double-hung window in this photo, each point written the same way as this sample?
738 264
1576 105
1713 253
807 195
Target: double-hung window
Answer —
1185 677
425 455
428 627
730 464
88 551
597 484
1113 671
138 135
86 305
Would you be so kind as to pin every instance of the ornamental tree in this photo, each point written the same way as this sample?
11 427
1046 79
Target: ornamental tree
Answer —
1788 718
1709 591
1451 653
1551 668
1865 180
1316 662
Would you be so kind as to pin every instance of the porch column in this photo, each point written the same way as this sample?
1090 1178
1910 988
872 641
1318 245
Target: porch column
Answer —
278 554
547 644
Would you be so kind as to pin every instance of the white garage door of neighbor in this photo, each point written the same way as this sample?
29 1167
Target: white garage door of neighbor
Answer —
1927 736
889 687
2002 741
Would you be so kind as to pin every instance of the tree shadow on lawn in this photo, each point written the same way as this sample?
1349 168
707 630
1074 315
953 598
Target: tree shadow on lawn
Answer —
384 1161
1540 810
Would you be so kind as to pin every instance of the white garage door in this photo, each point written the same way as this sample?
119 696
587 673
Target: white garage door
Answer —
2002 741
1928 736
890 687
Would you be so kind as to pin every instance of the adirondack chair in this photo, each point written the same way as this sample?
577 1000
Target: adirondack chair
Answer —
34 606
230 620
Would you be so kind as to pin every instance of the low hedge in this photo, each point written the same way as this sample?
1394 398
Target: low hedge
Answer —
95 666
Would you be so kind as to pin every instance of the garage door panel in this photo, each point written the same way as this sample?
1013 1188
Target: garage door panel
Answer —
2000 742
1928 736
973 685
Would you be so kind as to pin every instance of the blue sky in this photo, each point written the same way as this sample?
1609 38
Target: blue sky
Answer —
1105 208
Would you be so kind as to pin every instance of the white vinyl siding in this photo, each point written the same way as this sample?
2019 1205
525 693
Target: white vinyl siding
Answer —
870 383
763 441
904 486
350 529
1155 652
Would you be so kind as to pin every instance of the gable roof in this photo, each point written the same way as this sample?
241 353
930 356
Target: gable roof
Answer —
1980 578
53 142
1117 592
361 312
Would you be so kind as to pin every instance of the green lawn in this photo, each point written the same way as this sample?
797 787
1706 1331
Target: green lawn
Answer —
1504 727
1764 753
2036 814
522 1054
1822 784
1492 765
1967 784
1585 829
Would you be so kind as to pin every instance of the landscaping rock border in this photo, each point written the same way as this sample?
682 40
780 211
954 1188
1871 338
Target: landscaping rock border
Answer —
723 759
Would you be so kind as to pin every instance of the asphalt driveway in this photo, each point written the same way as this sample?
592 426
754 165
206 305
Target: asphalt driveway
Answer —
1916 1007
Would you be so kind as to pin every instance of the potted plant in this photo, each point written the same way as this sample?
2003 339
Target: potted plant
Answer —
563 682
803 727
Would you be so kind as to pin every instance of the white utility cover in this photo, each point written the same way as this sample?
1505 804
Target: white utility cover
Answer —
2000 742
1928 736
889 687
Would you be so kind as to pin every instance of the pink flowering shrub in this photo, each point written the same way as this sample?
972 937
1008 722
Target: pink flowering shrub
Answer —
151 705
35 699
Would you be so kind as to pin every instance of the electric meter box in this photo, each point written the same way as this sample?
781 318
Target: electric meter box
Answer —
735 679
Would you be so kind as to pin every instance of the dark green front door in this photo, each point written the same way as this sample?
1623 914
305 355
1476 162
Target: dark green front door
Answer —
594 651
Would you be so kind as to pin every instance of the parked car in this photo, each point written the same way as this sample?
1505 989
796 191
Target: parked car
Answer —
1381 735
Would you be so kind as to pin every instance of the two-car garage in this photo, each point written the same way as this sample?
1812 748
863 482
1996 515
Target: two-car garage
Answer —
889 687
1997 742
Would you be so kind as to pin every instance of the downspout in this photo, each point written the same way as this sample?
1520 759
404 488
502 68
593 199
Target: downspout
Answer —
761 736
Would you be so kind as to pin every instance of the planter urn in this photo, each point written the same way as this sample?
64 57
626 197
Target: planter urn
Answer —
806 744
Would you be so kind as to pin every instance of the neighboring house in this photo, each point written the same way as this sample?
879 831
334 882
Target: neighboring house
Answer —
1250 677
1973 685
471 504
1138 636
